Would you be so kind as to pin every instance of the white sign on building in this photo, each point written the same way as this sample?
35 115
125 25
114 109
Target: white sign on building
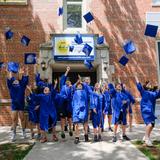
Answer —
62 43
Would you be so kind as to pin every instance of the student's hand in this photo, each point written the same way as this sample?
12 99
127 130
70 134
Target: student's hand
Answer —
29 88
21 70
136 78
79 77
5 68
55 81
26 70
36 108
79 81
68 69
94 110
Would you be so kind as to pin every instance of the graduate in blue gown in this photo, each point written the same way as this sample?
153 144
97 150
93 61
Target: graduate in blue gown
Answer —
119 105
17 89
33 112
80 108
88 88
47 108
96 102
65 108
107 108
130 104
147 104
41 83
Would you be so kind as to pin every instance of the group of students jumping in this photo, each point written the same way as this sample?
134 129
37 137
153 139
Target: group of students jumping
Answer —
77 103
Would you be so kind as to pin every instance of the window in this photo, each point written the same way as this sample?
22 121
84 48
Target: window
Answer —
155 2
11 2
153 18
73 15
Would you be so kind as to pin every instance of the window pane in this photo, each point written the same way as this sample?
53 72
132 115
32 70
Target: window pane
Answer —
156 1
74 16
153 18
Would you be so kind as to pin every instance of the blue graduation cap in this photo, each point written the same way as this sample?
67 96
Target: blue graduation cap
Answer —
87 49
88 17
71 48
123 60
88 64
100 40
129 47
78 39
13 67
9 34
30 58
60 11
25 40
151 30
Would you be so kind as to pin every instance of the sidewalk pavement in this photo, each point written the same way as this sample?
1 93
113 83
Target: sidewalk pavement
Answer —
67 150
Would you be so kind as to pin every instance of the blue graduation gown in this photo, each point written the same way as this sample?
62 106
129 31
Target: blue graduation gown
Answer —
107 103
47 108
79 106
62 81
147 104
17 93
33 114
117 105
130 98
65 95
96 101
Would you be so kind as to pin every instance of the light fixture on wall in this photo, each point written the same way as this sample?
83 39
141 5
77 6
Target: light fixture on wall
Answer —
43 65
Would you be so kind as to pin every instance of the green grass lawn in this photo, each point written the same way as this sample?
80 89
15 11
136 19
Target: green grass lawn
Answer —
153 153
14 151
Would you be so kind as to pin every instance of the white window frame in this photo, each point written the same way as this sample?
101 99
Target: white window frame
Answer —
155 4
158 62
151 20
74 30
14 3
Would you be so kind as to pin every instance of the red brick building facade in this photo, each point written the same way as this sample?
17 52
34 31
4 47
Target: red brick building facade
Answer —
117 20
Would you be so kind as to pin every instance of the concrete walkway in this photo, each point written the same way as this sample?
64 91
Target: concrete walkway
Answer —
67 150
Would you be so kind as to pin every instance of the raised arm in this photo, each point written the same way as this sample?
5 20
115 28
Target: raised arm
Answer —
67 71
10 78
139 85
64 78
9 74
55 83
21 73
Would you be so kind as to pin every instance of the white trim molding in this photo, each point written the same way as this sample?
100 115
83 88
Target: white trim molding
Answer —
83 29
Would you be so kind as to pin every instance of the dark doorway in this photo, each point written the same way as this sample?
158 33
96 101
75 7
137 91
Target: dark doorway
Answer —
73 76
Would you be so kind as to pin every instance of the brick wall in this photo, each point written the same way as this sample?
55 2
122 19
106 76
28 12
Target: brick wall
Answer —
5 116
117 20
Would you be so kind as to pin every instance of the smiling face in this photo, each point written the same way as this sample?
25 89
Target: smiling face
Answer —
46 90
68 83
79 86
118 87
87 80
97 87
